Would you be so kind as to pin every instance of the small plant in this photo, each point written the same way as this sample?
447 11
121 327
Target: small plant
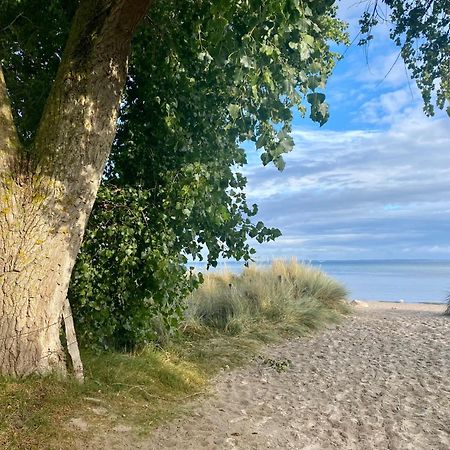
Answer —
280 365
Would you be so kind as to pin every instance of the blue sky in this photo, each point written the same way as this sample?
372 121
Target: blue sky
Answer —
374 182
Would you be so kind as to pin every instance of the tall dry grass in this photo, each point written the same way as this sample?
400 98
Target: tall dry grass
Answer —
286 294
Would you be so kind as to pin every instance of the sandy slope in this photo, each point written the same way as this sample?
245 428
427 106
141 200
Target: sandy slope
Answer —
381 380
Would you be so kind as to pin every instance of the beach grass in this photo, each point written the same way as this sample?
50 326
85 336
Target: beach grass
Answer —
285 297
228 321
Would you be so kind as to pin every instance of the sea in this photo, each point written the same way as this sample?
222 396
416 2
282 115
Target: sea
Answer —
413 281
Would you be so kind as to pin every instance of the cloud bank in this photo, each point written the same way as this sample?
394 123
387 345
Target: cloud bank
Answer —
361 193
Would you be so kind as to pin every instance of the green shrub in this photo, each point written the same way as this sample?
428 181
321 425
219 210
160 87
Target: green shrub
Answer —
130 282
130 279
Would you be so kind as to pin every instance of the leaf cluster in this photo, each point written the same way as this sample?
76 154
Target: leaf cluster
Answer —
422 31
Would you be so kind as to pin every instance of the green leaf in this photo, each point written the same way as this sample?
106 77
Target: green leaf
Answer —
287 144
266 158
309 40
246 62
279 163
267 49
305 50
234 111
315 98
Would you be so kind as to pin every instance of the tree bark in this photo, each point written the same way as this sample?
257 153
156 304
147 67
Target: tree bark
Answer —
47 192
72 342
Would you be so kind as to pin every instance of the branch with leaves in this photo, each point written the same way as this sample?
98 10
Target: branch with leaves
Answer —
422 31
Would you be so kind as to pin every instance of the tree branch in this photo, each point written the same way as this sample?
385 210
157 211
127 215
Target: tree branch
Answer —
82 107
9 140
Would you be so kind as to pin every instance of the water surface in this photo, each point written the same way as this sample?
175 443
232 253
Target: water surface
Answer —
394 280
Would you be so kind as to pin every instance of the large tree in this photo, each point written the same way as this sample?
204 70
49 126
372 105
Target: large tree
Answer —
52 157
48 182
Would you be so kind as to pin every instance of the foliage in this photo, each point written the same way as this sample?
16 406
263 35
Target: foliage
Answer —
32 37
204 77
422 30
130 278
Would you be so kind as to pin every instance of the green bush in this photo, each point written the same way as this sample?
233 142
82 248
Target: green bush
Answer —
129 283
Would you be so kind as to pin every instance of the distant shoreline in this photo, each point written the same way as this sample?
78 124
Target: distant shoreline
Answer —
268 261
400 302
367 306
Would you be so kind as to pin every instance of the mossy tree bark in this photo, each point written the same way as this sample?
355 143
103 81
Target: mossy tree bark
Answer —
47 190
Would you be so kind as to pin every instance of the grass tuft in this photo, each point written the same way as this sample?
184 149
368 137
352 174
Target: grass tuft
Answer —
286 296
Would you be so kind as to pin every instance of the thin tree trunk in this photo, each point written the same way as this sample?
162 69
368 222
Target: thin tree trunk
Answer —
9 141
47 193
72 342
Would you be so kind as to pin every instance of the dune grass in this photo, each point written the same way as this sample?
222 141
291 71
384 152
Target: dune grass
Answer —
286 297
228 319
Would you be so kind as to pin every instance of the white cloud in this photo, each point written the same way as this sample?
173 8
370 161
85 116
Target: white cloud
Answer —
361 193
392 107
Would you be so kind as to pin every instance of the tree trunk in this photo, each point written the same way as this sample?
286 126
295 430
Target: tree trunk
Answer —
72 342
47 191
35 274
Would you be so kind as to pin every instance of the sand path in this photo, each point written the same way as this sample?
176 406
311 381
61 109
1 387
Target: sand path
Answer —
380 380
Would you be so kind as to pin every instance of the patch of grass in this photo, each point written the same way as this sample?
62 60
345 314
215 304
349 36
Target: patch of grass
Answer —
228 320
287 296
141 388
31 405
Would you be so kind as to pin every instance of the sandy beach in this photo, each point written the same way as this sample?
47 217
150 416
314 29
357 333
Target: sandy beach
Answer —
380 380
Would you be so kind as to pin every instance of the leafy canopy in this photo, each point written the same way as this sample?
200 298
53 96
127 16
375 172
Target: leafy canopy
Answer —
204 78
